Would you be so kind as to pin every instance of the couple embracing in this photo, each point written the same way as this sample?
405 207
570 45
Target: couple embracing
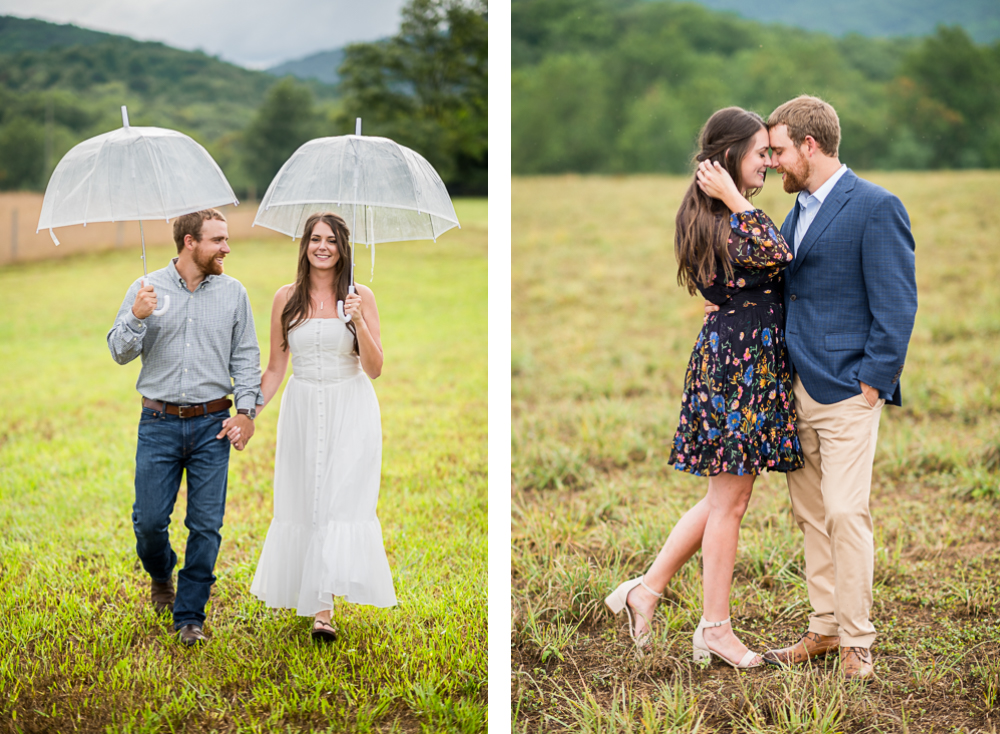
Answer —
804 340
325 539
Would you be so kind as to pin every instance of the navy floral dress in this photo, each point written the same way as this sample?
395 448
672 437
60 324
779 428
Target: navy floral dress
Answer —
737 414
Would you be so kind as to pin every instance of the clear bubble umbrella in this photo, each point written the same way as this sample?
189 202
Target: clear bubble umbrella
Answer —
132 174
385 191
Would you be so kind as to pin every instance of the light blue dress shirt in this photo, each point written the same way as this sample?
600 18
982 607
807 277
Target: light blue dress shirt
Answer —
809 205
203 348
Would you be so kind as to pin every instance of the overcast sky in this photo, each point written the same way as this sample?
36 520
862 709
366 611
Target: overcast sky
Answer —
246 32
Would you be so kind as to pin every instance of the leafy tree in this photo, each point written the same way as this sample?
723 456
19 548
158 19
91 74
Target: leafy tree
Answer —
625 85
70 83
661 132
561 114
950 94
541 28
284 121
426 88
22 148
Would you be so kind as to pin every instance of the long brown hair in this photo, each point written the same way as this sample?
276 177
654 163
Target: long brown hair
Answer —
297 307
702 224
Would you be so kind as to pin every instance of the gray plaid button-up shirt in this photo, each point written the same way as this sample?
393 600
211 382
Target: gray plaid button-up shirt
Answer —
203 348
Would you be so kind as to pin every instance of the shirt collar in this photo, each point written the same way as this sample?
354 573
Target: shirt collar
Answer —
177 278
805 198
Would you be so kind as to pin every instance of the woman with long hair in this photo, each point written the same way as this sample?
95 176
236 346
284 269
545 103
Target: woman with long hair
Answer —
737 418
325 539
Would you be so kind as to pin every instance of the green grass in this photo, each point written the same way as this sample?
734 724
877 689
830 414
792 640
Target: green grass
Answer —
82 649
601 338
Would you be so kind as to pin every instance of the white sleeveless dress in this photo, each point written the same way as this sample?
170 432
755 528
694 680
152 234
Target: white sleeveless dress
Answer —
325 538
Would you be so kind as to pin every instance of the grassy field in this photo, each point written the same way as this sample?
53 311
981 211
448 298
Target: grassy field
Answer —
82 648
601 337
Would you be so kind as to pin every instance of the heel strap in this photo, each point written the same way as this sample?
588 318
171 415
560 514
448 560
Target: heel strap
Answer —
642 583
706 623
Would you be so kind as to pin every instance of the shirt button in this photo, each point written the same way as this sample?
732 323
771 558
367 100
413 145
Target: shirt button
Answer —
793 297
189 319
183 394
185 369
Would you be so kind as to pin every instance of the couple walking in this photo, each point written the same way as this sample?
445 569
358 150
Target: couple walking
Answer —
804 340
325 539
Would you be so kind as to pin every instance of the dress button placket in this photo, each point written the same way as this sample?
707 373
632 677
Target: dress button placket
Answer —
321 422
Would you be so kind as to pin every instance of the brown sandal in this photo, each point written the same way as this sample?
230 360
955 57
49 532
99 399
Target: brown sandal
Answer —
323 631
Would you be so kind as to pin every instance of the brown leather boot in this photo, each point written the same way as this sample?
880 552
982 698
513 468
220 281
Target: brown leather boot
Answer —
856 663
161 593
191 635
809 646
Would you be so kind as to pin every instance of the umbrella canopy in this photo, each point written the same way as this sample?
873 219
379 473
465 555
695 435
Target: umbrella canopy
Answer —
402 196
130 174
385 191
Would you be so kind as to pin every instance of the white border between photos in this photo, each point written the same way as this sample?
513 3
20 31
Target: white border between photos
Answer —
499 713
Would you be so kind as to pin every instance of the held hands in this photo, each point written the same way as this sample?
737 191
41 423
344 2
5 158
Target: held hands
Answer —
145 302
352 307
238 429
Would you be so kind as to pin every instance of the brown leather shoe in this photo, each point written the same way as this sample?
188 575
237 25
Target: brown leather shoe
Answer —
856 663
192 635
161 593
809 646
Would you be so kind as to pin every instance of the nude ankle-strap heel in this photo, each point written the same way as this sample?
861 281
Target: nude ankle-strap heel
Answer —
618 600
702 652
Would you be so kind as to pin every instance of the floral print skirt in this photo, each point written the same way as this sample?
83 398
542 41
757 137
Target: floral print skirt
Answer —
737 411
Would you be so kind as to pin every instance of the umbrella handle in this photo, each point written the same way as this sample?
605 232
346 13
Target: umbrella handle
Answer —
166 301
340 307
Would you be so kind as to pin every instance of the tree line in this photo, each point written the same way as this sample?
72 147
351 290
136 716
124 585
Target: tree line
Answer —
424 87
625 85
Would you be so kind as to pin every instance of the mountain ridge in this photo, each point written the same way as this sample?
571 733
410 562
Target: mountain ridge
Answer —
321 66
34 34
887 19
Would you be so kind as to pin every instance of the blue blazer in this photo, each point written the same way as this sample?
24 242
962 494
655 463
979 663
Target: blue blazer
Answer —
851 293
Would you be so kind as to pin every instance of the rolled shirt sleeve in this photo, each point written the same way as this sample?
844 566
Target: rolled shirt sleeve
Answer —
201 348
126 335
244 361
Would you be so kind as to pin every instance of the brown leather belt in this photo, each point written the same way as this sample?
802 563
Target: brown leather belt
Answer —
188 411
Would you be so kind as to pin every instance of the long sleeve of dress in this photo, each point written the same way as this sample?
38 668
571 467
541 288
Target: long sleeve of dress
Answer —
756 243
758 253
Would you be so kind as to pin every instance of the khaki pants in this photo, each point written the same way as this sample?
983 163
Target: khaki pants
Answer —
830 504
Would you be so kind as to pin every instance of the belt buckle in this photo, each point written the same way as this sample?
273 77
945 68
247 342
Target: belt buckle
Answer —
182 408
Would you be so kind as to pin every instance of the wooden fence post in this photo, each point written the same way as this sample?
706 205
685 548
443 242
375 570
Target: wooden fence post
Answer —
13 234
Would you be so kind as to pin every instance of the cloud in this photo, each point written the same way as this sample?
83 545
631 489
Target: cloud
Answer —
254 33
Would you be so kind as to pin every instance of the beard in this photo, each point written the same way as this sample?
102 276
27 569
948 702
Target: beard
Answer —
206 262
794 180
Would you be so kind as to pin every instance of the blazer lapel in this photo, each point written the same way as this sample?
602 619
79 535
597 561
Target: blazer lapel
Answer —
788 226
831 207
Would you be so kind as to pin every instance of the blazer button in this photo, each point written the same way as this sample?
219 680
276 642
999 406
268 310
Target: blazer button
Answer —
793 297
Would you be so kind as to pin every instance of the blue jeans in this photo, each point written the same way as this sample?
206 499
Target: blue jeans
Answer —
167 446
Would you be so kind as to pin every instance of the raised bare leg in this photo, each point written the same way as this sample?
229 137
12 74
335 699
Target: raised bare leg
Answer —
682 543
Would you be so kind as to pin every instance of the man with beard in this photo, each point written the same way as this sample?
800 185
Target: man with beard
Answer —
202 349
850 302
